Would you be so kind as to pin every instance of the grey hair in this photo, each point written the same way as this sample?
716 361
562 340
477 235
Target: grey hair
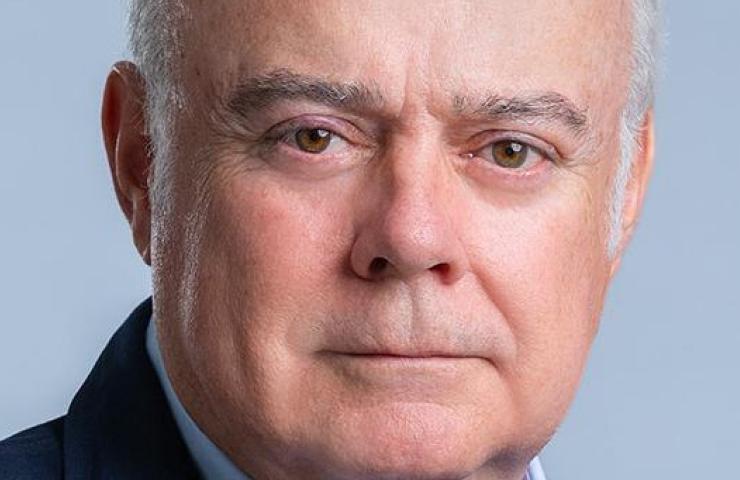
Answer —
155 43
646 35
154 27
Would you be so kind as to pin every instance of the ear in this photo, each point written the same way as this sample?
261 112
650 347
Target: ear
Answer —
127 146
642 167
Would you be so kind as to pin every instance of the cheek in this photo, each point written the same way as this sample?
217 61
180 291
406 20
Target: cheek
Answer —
272 248
265 254
543 265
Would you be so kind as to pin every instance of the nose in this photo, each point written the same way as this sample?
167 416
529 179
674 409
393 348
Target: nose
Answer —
409 225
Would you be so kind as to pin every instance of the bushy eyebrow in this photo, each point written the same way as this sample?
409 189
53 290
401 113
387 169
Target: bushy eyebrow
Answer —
528 108
257 93
262 91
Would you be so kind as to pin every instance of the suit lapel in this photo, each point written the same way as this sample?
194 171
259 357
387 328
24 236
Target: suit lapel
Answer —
119 425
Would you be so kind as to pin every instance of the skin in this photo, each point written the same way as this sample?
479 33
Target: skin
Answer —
398 306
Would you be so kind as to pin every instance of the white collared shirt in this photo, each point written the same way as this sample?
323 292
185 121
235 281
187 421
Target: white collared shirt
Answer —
211 461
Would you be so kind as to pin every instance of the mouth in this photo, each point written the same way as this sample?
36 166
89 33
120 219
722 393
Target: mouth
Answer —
402 353
391 359
412 375
391 356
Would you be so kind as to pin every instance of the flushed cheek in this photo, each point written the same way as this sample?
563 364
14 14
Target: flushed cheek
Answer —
270 256
264 253
542 266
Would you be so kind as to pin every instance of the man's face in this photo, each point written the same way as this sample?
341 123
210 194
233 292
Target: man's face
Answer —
379 240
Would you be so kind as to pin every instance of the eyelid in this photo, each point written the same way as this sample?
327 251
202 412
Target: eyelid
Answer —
289 137
544 148
339 128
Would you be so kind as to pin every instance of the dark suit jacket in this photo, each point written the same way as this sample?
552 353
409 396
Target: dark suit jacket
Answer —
118 426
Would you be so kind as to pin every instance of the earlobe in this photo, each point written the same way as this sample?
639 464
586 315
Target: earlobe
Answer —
127 147
642 166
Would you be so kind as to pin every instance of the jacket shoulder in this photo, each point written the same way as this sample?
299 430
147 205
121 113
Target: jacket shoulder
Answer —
35 453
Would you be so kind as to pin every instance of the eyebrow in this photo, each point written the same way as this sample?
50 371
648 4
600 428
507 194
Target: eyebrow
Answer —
262 91
529 108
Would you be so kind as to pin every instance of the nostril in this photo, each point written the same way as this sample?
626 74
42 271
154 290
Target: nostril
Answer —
442 268
377 265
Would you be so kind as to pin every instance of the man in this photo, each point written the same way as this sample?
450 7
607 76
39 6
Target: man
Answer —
380 234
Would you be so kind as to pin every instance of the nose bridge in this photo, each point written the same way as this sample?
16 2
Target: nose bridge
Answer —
411 231
415 217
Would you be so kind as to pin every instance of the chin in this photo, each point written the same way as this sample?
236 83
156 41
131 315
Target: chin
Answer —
406 441
411 463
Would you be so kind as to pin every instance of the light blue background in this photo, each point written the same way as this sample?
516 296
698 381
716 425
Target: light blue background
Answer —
661 396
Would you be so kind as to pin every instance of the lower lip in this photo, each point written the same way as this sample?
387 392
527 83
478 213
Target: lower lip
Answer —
402 359
396 370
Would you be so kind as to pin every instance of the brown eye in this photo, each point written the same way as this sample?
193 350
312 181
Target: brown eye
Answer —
510 154
313 140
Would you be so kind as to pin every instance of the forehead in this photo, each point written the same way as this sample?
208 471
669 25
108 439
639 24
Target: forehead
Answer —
579 48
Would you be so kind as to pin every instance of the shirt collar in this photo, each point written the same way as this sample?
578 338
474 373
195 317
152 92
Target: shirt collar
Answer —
211 461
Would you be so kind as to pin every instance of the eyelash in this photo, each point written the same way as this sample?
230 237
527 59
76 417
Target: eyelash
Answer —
285 134
542 148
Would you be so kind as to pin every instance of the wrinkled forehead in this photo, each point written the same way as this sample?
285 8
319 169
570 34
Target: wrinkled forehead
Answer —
430 48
